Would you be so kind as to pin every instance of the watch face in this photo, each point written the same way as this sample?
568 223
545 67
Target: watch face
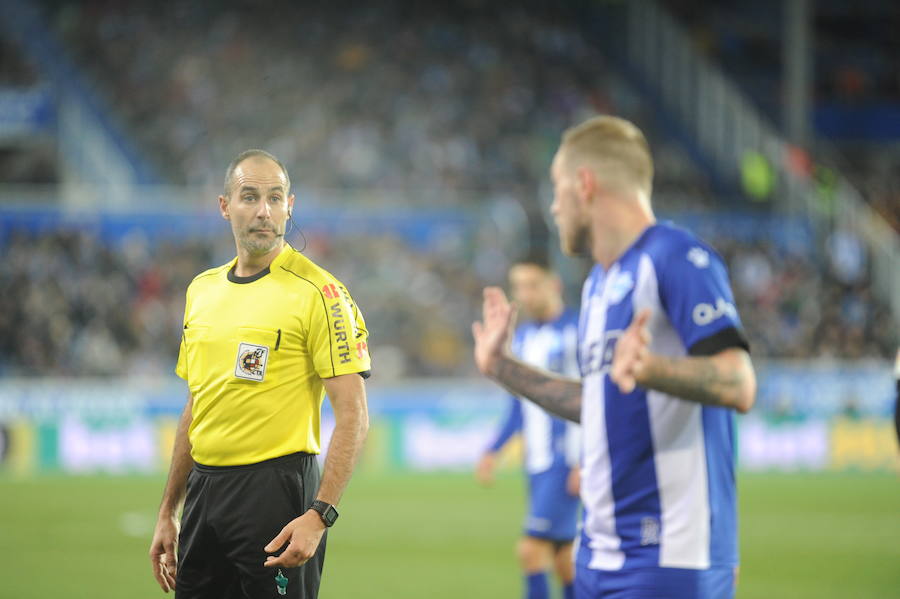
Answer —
328 512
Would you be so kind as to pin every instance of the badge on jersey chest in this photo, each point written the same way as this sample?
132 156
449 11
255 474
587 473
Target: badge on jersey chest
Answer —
251 362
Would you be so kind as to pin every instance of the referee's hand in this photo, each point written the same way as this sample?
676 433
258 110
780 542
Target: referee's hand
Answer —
493 332
304 534
162 552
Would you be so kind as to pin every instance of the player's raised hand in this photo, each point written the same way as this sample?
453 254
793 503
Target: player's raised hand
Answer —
162 553
493 332
632 351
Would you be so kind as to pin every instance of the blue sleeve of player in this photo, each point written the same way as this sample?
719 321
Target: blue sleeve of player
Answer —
697 297
511 425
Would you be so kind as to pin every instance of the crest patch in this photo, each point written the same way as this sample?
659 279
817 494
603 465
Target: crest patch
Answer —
251 362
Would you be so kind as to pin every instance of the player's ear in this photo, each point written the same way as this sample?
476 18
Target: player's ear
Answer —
223 207
586 184
290 202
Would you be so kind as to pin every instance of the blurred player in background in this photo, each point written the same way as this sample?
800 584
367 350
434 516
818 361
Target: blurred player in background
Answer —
547 338
664 364
265 336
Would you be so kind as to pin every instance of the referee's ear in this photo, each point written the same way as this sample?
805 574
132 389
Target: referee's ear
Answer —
223 207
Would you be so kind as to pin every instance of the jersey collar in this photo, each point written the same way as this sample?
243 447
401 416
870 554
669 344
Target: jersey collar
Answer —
279 259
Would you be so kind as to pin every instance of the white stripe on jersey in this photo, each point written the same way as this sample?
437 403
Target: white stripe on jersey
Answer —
596 468
537 346
679 450
536 426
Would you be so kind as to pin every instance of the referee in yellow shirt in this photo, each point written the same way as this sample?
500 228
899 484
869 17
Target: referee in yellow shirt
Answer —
265 337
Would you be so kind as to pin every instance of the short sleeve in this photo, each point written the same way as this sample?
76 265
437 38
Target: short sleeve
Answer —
510 426
337 338
181 366
697 297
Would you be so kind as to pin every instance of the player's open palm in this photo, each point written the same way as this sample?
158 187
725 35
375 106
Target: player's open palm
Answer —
632 351
492 333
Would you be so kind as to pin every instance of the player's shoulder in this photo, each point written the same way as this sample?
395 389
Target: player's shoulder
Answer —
669 244
308 274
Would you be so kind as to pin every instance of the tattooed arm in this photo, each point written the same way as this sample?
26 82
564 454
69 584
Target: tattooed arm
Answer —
555 394
724 379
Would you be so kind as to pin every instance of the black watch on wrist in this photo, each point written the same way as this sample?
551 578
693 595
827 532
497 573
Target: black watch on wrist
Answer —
327 512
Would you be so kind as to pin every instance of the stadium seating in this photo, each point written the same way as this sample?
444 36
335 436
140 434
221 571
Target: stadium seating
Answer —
403 98
856 91
75 302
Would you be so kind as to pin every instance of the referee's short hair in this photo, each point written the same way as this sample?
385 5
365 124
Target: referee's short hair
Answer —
252 153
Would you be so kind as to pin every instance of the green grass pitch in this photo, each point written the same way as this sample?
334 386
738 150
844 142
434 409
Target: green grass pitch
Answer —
440 536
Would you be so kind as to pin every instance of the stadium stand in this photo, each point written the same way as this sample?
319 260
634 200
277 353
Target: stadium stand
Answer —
856 90
75 304
364 111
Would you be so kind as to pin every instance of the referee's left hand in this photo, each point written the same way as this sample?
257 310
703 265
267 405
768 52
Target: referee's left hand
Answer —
304 534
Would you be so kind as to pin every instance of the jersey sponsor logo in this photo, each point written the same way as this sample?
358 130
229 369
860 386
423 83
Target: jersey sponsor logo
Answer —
339 324
698 257
361 349
598 356
251 362
703 313
330 291
620 287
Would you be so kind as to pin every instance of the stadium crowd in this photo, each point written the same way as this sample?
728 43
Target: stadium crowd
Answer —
393 95
446 101
73 305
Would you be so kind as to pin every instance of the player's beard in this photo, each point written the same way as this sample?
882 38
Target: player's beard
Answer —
257 245
574 241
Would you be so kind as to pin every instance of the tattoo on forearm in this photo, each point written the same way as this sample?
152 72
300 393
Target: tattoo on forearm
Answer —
698 379
557 395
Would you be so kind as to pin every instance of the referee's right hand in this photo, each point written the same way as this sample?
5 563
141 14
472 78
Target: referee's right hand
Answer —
162 552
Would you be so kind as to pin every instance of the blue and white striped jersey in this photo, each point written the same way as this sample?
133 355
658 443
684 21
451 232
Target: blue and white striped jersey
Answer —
658 482
549 441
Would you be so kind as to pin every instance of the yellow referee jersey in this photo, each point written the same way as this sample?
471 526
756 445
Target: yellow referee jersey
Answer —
254 353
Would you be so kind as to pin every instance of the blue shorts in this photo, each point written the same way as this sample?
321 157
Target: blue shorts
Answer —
654 583
552 512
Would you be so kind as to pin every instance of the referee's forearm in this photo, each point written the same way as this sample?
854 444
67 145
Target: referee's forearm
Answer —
180 467
351 428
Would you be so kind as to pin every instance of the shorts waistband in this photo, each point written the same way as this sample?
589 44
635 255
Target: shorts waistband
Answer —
291 458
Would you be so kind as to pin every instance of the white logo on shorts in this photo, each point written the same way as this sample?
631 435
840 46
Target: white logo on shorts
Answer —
649 531
251 362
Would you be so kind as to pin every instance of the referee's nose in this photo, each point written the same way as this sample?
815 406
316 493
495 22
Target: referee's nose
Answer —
264 211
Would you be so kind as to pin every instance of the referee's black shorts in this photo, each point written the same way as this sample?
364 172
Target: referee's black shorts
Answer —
230 514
